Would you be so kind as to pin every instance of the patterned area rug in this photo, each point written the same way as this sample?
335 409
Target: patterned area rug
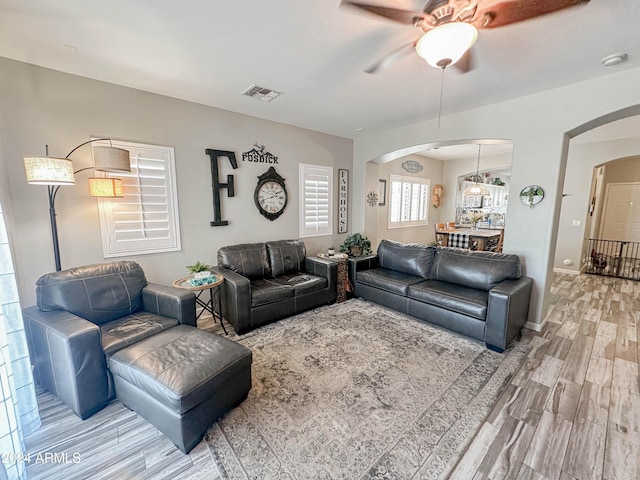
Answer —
358 391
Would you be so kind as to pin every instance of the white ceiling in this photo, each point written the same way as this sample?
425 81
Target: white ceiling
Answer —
209 51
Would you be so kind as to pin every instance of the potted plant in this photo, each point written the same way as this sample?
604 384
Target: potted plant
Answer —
355 245
331 251
199 270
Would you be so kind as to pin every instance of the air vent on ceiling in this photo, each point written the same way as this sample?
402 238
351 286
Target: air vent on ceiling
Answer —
261 93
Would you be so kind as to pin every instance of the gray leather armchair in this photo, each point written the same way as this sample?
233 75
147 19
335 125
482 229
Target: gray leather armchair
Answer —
85 314
268 281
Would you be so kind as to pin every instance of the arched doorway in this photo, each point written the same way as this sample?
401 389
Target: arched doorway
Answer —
441 163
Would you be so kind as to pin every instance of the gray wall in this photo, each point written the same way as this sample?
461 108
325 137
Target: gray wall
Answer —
41 106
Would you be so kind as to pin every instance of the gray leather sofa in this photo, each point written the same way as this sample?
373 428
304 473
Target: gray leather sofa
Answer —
101 331
479 294
269 281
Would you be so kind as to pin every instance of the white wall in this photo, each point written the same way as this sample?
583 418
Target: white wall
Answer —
537 124
582 159
41 106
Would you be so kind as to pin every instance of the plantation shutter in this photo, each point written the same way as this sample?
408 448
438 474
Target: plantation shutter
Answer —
408 202
316 187
146 219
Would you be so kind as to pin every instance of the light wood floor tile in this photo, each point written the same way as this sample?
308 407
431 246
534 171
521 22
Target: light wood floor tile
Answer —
584 457
564 399
621 461
546 453
577 362
548 371
476 452
504 457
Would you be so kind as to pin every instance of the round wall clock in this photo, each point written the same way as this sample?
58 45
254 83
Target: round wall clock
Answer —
270 194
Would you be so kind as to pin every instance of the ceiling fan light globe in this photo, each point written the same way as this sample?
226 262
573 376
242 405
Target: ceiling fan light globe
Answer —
447 43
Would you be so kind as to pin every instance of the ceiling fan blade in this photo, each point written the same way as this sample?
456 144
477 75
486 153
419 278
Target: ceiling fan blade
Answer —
391 58
505 12
466 62
396 14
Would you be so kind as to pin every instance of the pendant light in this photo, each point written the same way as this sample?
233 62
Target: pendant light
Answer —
477 188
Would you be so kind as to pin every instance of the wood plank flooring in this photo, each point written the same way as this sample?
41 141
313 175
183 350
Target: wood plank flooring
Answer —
571 413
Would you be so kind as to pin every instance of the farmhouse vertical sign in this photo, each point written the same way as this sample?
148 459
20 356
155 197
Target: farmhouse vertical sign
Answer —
343 200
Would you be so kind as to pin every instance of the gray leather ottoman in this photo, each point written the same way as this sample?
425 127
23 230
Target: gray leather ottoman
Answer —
182 380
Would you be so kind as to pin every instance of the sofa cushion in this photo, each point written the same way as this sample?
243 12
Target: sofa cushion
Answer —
304 283
481 270
99 293
411 258
268 290
247 259
286 256
131 329
467 301
388 280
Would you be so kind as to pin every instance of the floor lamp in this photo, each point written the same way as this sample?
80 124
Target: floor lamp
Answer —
56 172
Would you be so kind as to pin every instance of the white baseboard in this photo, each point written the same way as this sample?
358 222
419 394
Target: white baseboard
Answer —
567 272
537 327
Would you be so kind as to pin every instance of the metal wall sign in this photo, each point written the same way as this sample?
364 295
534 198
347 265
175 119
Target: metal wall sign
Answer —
412 166
258 155
343 200
216 186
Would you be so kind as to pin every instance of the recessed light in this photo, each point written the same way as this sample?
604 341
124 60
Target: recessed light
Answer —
614 59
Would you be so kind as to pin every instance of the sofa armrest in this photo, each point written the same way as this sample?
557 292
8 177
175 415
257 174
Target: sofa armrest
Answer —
66 352
356 264
507 311
170 302
236 300
323 268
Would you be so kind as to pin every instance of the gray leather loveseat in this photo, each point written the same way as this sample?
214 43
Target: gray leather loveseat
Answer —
479 294
268 281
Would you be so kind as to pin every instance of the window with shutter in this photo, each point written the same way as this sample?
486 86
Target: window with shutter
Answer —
316 206
146 219
408 201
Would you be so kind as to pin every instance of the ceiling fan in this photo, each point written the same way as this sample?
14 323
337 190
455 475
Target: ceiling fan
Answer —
449 27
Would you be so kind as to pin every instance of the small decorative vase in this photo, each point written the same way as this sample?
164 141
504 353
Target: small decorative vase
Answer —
331 252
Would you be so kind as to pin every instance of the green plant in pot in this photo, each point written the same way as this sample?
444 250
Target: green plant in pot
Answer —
199 269
355 245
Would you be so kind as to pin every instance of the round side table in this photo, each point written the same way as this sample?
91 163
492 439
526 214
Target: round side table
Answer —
214 295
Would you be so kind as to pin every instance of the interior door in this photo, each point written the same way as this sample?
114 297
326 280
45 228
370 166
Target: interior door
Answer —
621 214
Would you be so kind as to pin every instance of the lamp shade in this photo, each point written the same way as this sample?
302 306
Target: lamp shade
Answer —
111 159
49 171
105 187
476 189
445 44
